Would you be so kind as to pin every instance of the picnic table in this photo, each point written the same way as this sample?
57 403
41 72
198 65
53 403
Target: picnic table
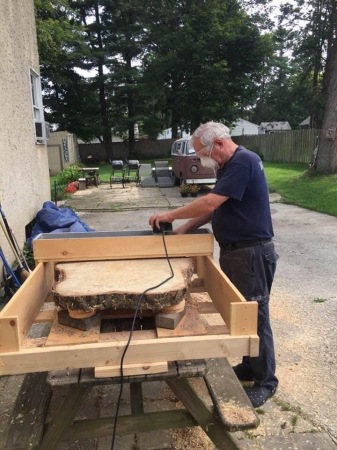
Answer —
91 175
224 409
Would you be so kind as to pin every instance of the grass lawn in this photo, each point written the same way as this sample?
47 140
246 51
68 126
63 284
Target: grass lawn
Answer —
298 187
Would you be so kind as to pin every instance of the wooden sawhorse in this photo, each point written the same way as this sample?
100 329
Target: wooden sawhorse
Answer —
219 377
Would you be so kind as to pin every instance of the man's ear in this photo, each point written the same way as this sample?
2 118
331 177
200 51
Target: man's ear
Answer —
218 141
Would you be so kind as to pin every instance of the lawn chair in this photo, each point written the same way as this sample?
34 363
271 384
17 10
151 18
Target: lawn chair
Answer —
145 175
117 172
132 171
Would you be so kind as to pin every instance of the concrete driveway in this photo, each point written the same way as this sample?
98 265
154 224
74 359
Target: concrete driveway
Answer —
303 312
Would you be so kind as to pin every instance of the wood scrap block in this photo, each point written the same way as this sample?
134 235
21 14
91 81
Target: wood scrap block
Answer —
97 285
169 320
190 325
64 335
131 369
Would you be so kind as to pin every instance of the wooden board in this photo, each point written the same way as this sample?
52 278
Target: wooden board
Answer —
63 335
95 285
230 400
100 246
110 353
27 419
131 369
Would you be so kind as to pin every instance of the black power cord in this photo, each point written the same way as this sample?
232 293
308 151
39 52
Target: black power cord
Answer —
130 337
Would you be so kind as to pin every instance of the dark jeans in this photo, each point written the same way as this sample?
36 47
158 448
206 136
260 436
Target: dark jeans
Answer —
251 270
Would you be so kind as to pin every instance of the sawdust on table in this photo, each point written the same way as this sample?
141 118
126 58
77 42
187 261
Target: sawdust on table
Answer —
194 300
235 413
191 439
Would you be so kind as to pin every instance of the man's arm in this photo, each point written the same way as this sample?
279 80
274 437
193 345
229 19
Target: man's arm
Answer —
202 207
193 224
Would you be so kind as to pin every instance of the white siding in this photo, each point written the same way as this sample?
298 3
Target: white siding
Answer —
244 127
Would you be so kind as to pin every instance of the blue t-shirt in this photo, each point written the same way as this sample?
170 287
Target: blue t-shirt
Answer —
246 214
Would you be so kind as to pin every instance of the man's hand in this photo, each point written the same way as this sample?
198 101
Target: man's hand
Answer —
161 217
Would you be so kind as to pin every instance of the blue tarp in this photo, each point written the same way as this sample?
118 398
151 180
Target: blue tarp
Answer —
51 219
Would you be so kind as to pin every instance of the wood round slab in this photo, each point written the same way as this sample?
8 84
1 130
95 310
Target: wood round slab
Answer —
122 284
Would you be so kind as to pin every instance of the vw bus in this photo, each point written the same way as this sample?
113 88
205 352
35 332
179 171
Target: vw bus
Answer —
186 165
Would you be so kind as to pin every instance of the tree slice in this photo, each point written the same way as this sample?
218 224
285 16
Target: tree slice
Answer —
93 285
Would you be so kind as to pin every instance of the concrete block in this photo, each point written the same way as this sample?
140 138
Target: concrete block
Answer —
169 320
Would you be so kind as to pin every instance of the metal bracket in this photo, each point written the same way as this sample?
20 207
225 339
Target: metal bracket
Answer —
331 134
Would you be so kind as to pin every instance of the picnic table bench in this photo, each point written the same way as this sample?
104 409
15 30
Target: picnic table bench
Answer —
223 409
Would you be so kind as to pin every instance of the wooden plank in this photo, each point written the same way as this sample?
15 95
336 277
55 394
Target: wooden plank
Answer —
207 308
87 377
191 368
9 334
111 313
229 398
122 247
34 342
45 316
131 369
18 315
124 335
136 396
28 416
63 417
141 423
110 353
64 335
239 315
202 414
62 378
254 346
217 329
243 318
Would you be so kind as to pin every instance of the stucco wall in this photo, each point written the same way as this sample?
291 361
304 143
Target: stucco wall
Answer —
24 175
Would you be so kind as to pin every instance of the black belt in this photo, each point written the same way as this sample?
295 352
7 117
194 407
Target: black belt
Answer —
243 244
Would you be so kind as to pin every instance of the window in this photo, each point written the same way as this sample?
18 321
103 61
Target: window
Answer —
40 125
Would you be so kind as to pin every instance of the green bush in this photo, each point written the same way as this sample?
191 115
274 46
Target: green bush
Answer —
57 192
69 174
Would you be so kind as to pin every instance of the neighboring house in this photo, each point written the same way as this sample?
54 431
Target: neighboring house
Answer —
243 127
97 141
273 127
24 174
62 151
305 123
167 134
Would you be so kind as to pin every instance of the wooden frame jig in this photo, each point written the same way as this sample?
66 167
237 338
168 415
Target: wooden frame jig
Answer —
19 354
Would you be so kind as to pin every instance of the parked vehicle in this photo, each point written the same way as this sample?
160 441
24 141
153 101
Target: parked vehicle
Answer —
186 165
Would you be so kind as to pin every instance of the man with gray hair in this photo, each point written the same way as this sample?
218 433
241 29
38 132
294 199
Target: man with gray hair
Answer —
238 207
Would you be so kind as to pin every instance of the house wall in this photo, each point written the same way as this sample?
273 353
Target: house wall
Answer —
244 127
24 174
62 151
